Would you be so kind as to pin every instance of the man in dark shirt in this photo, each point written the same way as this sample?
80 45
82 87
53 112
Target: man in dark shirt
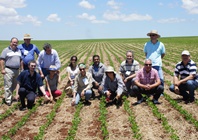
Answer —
27 83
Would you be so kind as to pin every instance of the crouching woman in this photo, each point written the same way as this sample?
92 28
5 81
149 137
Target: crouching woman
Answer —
82 86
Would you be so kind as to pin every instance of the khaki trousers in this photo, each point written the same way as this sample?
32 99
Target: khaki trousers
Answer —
10 82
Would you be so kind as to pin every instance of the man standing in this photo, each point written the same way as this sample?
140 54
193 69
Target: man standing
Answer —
147 82
128 69
28 50
47 57
27 83
155 50
11 62
185 78
97 70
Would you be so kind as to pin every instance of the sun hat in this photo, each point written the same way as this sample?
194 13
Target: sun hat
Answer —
82 66
185 52
27 36
52 67
153 32
109 69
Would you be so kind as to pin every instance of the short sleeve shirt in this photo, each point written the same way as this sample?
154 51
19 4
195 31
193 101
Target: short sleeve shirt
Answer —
29 82
147 78
154 52
127 69
72 73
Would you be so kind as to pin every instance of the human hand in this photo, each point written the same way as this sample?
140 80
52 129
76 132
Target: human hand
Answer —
73 102
177 90
3 71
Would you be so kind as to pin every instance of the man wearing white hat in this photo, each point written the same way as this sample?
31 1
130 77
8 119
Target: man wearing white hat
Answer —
188 81
155 51
28 50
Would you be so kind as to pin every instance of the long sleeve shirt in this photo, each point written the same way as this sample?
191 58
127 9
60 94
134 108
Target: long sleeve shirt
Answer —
116 85
82 82
45 60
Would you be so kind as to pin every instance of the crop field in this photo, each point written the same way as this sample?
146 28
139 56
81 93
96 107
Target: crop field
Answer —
172 119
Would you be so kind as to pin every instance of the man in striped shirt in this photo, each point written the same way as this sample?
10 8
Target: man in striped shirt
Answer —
185 78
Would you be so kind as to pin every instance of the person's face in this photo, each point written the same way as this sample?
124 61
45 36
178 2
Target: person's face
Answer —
129 56
52 72
110 74
153 36
32 66
185 58
82 71
96 60
27 41
48 50
14 43
73 60
147 66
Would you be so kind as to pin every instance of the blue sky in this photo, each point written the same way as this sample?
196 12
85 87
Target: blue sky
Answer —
95 19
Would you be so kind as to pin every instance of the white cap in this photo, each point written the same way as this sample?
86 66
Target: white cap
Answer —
185 52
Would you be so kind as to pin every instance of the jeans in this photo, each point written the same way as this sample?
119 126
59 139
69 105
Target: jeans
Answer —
87 95
190 86
30 95
160 73
156 92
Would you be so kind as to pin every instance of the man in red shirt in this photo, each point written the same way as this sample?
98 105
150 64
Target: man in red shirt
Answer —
147 82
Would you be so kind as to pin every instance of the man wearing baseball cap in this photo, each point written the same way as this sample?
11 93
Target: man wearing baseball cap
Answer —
188 81
28 50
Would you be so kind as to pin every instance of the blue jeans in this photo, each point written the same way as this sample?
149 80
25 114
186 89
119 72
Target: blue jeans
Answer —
190 86
160 73
88 94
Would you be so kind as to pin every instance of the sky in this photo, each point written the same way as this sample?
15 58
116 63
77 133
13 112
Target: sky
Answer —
97 19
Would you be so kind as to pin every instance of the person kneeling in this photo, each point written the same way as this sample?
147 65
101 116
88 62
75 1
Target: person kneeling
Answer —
82 86
27 83
147 82
112 86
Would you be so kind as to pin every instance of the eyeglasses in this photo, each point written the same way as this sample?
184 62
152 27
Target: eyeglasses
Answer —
82 69
148 64
153 35
33 66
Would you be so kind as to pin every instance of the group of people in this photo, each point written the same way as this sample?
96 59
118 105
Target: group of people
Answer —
131 80
18 66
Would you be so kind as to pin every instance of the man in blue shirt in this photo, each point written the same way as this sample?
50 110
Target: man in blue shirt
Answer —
28 50
27 83
98 72
155 51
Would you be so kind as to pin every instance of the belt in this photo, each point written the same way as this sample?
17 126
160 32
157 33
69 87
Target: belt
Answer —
12 68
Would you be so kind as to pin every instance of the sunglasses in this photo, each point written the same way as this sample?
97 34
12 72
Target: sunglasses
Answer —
148 64
153 35
82 69
73 59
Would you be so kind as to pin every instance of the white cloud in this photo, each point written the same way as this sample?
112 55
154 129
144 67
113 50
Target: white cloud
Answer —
131 17
91 18
114 5
87 16
171 20
86 4
7 11
20 20
191 6
9 15
53 18
13 3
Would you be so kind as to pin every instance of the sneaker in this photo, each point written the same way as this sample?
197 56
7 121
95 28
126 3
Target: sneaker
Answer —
156 101
8 104
22 108
189 100
140 101
87 103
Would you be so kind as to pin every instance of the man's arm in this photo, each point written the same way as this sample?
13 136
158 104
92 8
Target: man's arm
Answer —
2 63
